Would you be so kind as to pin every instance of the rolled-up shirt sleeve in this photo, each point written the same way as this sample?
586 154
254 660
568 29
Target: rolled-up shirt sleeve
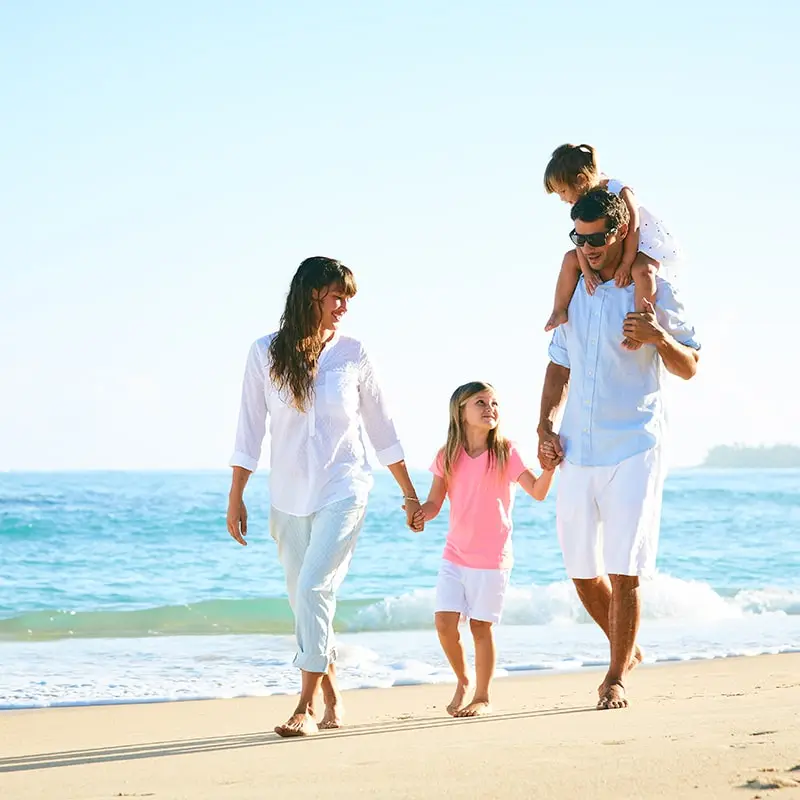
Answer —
672 315
557 351
378 422
253 410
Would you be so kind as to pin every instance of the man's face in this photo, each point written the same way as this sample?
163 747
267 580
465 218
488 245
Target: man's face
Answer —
598 255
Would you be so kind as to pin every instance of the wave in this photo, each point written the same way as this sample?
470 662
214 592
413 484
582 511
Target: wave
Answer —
664 598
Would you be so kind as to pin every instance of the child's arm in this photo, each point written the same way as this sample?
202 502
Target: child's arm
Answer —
630 246
590 277
537 488
433 505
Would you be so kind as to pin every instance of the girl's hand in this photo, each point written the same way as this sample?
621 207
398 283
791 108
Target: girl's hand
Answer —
237 520
622 277
591 280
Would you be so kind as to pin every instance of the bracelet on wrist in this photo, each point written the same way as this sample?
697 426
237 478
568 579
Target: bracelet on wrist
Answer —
415 499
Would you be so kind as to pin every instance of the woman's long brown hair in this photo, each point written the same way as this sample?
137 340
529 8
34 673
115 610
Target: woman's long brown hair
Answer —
295 350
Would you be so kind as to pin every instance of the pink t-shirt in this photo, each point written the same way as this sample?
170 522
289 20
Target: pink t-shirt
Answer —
481 500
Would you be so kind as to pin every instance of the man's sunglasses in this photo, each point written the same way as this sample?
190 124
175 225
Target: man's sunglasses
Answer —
592 239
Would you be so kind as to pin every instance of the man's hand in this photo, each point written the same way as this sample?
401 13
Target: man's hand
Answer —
642 326
237 520
551 453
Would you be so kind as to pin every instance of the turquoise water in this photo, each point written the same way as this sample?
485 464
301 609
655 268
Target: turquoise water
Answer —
137 569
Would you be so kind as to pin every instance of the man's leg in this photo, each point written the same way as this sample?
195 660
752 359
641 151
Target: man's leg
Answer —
623 618
630 507
595 594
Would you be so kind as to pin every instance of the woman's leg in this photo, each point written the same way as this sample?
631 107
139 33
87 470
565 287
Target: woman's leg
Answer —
333 536
292 534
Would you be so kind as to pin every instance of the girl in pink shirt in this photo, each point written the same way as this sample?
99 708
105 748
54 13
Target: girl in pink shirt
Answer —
478 469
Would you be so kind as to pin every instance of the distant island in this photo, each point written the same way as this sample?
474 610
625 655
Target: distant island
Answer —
777 456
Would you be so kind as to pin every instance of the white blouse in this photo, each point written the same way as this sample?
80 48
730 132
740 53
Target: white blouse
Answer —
317 457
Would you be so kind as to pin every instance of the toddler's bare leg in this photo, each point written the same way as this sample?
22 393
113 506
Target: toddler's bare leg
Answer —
485 660
565 288
643 273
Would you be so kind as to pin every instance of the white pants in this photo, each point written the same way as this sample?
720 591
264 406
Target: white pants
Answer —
478 594
608 518
315 553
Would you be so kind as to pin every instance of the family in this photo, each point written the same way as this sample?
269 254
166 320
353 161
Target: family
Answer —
617 326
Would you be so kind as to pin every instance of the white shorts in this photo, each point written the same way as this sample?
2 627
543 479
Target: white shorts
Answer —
478 594
608 518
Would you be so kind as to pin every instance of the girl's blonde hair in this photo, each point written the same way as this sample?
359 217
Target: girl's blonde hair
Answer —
295 350
457 435
567 164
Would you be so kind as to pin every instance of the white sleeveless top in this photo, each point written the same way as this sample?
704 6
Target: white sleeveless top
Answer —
655 240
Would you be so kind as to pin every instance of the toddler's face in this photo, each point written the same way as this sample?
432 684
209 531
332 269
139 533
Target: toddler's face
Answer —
568 194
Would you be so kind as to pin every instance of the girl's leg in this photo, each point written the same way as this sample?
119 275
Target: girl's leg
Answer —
643 273
565 288
450 639
485 660
333 536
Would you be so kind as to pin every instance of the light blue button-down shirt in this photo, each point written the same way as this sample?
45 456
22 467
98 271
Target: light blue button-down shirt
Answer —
615 405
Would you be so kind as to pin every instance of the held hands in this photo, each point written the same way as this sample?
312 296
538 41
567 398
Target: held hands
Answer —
551 453
415 516
642 326
237 520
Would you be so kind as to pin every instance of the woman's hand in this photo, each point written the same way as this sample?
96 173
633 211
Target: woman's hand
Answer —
414 516
237 520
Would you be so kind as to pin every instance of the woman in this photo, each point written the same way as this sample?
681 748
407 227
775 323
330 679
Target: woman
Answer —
317 387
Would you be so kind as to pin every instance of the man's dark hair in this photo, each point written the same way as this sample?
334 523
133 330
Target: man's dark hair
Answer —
599 203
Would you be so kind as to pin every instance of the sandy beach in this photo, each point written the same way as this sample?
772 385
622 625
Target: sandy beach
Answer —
721 728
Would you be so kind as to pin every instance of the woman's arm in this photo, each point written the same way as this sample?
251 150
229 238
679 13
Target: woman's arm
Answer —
250 434
630 246
537 488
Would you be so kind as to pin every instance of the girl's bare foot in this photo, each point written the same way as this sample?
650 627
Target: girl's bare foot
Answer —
457 703
558 317
299 724
476 708
629 344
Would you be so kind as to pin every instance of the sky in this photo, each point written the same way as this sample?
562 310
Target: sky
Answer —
165 167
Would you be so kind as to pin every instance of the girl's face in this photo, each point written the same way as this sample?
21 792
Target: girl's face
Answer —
481 411
331 305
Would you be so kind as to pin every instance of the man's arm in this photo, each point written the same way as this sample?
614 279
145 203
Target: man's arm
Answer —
554 392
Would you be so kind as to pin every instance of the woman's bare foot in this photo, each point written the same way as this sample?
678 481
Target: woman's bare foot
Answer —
613 697
299 724
558 317
334 714
457 703
477 708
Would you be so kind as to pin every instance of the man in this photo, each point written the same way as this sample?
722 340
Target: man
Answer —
611 439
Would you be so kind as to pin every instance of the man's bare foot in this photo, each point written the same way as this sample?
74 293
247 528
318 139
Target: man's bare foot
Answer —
636 659
613 697
630 344
558 317
457 703
297 725
333 716
477 708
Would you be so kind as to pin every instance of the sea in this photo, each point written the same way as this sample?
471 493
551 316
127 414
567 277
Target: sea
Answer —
125 587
